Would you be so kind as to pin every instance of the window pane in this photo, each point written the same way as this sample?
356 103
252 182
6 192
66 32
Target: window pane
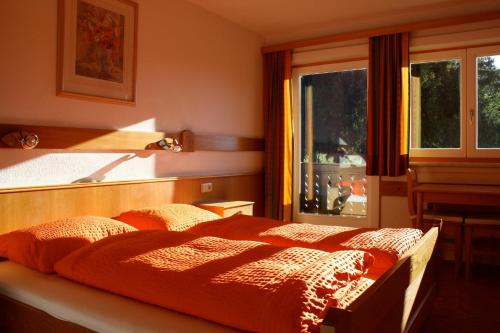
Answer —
333 143
435 104
488 101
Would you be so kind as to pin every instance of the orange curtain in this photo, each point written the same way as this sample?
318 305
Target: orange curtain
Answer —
278 135
388 106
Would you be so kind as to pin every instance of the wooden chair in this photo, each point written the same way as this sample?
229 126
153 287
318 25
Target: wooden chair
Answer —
482 234
452 222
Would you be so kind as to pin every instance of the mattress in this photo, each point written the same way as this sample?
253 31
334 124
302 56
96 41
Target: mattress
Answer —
94 309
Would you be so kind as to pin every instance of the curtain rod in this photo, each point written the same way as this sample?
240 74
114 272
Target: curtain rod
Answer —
429 24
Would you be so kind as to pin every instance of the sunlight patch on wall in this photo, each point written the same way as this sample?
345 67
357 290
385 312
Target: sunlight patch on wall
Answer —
143 126
44 167
208 163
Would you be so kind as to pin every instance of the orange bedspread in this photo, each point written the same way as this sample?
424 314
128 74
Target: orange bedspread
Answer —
387 244
249 285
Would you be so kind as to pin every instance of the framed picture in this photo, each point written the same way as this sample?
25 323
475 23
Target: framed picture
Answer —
97 50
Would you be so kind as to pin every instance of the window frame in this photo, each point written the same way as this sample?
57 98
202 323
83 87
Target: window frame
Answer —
472 107
436 56
372 212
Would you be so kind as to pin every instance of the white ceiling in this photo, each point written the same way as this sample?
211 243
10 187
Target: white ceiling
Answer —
284 20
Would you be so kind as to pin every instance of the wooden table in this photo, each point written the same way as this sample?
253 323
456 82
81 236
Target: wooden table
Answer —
460 194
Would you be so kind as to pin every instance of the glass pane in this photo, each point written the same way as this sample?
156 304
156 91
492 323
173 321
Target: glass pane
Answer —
333 143
435 104
488 101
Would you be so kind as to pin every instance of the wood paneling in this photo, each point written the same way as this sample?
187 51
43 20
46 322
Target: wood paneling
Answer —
23 207
461 47
454 173
227 143
330 62
437 23
393 188
70 138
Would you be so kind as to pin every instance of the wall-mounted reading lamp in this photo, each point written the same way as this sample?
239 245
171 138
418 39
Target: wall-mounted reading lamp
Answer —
183 141
167 144
170 144
21 139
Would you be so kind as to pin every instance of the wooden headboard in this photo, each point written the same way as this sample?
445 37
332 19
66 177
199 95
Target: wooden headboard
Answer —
22 207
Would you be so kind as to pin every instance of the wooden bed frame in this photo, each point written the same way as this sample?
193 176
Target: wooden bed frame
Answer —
397 302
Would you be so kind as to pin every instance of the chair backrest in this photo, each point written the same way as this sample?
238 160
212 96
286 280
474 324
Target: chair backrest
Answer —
411 178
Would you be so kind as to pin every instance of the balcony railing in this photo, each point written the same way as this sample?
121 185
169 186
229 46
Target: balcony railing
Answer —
333 189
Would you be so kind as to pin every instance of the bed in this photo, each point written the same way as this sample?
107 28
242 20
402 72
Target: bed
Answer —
36 302
402 295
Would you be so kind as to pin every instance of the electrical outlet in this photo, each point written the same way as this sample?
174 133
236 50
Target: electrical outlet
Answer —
206 187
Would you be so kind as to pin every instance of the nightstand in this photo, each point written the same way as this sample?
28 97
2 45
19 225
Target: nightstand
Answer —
231 207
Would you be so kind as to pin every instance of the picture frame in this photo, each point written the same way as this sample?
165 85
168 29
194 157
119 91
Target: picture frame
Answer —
97 50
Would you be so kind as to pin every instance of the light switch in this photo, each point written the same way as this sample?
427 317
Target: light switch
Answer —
206 187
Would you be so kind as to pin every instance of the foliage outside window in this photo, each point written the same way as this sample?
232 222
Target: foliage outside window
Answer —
435 104
488 94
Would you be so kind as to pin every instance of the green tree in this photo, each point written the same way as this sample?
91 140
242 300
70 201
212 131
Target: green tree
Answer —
488 80
339 112
439 103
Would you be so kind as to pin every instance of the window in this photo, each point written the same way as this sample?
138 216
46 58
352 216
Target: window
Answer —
437 104
455 103
330 114
483 101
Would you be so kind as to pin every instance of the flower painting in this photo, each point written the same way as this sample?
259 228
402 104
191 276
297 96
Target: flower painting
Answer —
99 42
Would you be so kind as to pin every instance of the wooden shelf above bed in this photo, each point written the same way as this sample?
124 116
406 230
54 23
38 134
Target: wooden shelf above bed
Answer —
71 138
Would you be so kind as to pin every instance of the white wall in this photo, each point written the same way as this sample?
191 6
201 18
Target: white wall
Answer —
194 71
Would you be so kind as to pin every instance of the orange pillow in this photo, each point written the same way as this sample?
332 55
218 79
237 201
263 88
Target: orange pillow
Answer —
41 246
172 217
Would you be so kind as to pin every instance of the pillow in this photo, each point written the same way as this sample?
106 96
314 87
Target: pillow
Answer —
172 217
41 246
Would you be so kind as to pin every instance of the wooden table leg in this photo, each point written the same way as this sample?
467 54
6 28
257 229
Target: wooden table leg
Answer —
458 249
468 250
420 211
